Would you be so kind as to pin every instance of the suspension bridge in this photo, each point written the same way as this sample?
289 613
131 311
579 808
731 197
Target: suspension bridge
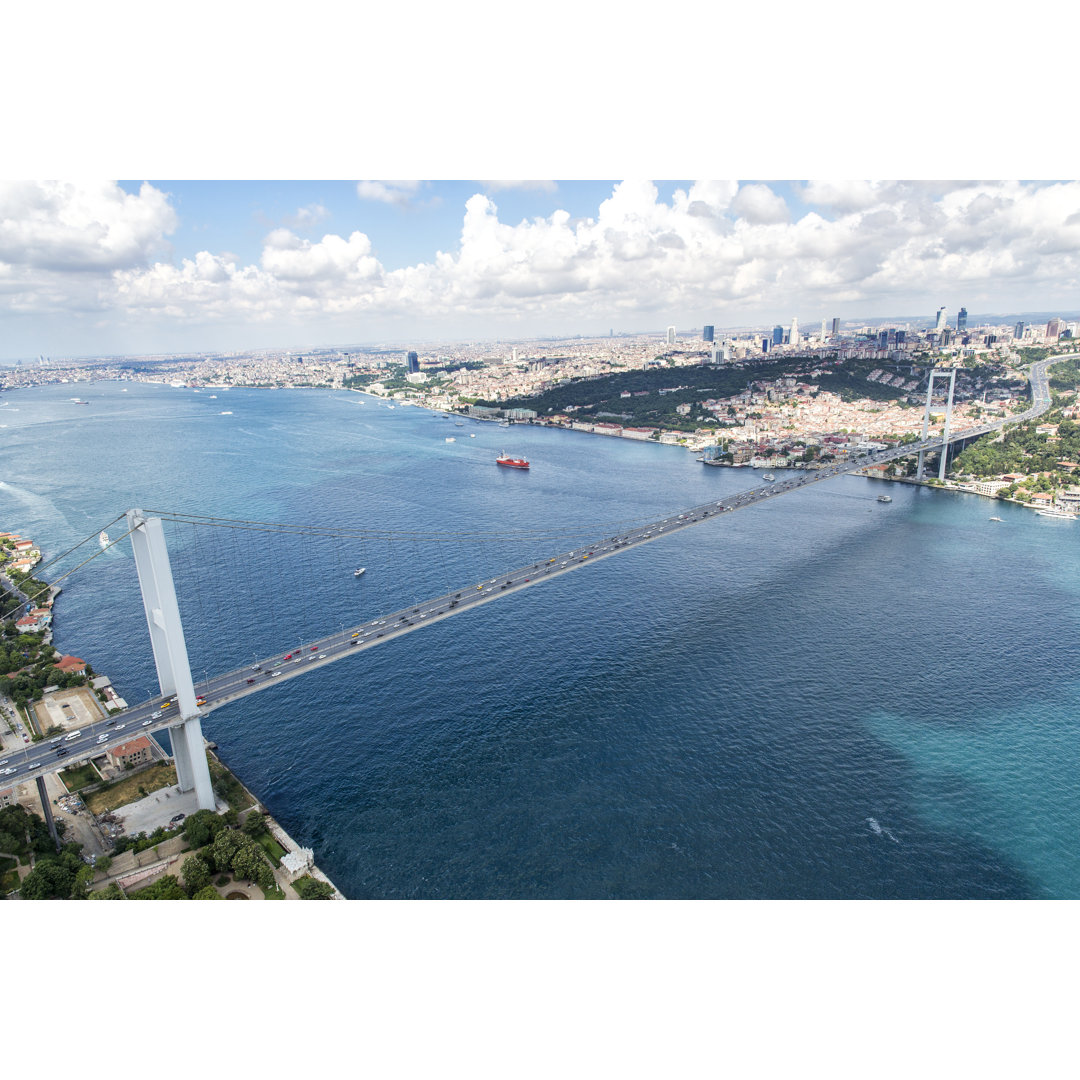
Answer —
180 709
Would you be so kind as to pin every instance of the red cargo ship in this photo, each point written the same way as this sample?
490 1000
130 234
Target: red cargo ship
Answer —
511 462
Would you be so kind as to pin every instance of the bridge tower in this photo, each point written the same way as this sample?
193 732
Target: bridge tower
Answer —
170 654
926 421
948 422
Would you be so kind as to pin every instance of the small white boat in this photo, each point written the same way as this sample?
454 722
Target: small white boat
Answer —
884 498
227 413
768 477
359 573
997 519
451 439
103 538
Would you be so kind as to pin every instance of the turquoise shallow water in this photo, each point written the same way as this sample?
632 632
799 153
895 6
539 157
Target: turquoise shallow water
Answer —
818 697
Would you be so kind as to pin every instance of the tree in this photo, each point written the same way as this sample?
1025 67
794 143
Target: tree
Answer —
208 892
247 860
255 825
166 888
226 844
308 888
196 873
201 828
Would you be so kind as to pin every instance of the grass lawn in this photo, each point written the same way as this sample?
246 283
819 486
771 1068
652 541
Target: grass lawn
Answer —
77 778
273 893
272 848
126 789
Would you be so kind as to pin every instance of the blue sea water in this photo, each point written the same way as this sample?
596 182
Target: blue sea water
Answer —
818 697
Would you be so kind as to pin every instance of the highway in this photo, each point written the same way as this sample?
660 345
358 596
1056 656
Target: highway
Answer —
42 757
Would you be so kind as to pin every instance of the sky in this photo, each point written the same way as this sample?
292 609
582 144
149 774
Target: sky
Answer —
157 265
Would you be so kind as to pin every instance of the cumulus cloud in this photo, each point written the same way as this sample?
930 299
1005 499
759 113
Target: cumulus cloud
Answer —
49 225
398 192
759 205
720 248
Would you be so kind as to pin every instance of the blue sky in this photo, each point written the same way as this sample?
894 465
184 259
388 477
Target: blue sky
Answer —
91 268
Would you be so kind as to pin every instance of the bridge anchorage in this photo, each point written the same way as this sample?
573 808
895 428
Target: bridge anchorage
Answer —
170 654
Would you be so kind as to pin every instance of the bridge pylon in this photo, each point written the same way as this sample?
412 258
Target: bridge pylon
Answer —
170 654
948 420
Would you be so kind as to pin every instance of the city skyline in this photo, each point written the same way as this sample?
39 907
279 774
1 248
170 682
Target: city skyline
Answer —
149 266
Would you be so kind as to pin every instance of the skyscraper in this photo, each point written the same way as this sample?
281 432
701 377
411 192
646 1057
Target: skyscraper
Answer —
822 331
794 338
412 363
1018 331
778 335
961 320
835 327
765 343
707 333
671 335
1054 328
940 318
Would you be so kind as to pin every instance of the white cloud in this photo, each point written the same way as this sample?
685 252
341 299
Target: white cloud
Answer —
521 185
49 225
719 250
759 205
398 192
308 216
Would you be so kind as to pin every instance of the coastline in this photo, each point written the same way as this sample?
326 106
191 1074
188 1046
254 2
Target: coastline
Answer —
290 845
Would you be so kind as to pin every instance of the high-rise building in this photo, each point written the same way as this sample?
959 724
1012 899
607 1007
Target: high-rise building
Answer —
671 335
765 343
412 362
793 336
778 335
883 339
946 336
706 333
835 327
1054 328
1018 331
901 337
961 320
940 318
822 331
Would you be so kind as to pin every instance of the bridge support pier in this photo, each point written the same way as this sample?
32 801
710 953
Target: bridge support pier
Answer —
170 653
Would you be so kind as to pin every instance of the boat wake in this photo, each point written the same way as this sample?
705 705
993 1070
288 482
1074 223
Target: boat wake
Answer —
879 830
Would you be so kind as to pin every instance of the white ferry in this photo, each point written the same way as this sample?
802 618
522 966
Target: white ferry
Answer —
103 538
1054 512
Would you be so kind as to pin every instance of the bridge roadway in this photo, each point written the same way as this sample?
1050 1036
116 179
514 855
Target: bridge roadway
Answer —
40 758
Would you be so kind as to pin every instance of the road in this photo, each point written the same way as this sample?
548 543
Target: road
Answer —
96 738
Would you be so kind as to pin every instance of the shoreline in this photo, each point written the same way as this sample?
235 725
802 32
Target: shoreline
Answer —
276 830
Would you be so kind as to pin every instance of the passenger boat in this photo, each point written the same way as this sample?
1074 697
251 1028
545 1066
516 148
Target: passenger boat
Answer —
358 573
1054 512
997 519
103 538
768 478
884 498
511 462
